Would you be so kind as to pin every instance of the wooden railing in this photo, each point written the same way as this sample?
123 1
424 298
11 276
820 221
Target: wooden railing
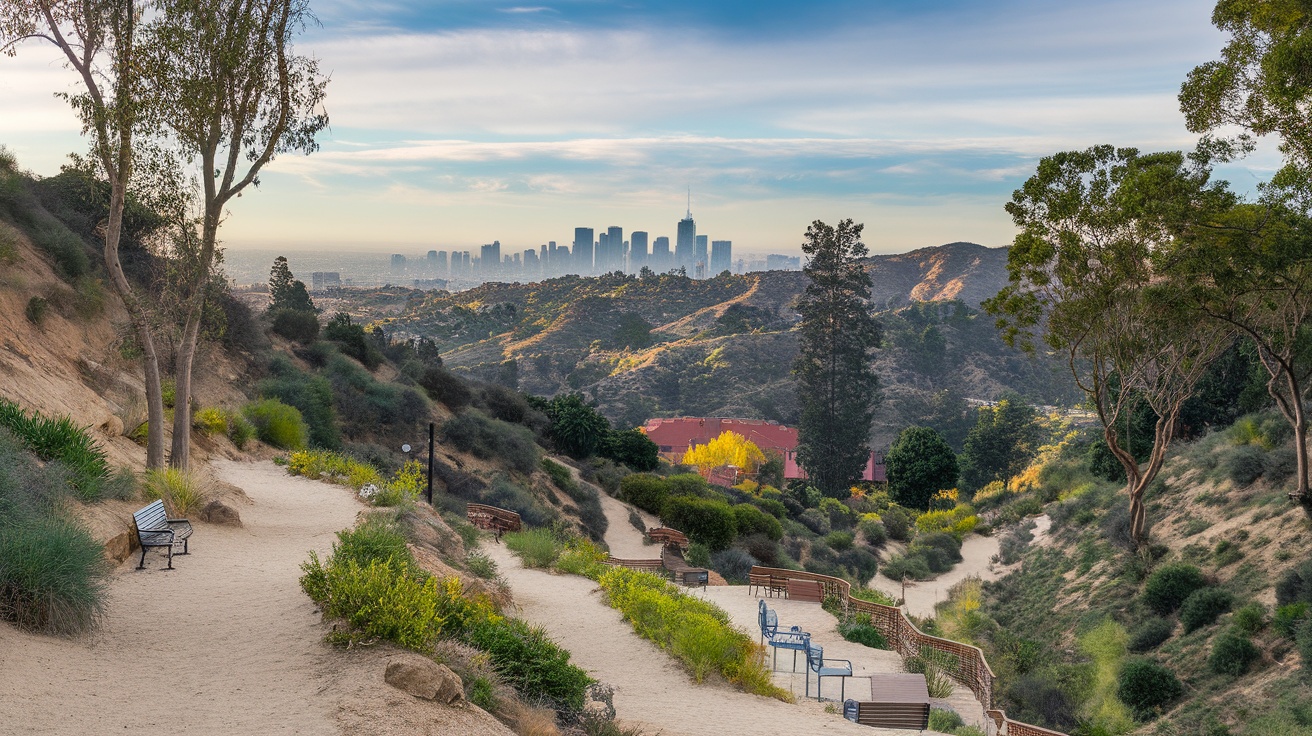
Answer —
969 667
490 517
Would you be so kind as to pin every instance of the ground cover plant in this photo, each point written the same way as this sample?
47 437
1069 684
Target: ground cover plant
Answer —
277 424
182 492
58 438
52 573
405 485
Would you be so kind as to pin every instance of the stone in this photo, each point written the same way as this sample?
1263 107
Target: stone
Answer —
119 546
112 426
424 678
218 512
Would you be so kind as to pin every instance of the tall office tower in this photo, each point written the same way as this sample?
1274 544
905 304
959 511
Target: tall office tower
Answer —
583 251
466 264
660 255
721 257
489 257
613 249
533 264
398 264
432 262
638 250
699 257
685 243
542 261
440 269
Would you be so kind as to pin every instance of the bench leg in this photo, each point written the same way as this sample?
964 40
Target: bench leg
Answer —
142 565
170 557
185 551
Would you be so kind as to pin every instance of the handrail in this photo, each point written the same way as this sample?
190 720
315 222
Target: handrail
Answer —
970 668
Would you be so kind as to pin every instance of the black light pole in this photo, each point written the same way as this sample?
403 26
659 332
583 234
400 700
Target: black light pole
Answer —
430 463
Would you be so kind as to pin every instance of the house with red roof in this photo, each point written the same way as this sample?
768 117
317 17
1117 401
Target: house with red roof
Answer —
673 437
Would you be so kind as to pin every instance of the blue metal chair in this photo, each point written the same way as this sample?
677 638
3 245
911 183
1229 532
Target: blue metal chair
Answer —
816 662
791 638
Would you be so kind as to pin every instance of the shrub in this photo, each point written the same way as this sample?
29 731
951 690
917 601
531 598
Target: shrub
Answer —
1146 686
403 487
958 521
935 666
1288 617
240 430
296 325
312 395
1170 585
277 424
1244 464
897 521
733 564
708 522
36 310
874 595
379 600
52 576
506 494
365 404
181 491
1232 655
858 628
1250 619
945 721
526 658
536 547
1303 638
1295 585
210 421
58 438
816 521
444 386
376 539
1203 607
907 567
873 531
750 520
698 555
860 563
487 438
1015 543
840 541
1149 634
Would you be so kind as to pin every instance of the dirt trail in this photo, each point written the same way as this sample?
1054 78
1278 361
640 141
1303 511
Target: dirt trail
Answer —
977 561
224 643
621 537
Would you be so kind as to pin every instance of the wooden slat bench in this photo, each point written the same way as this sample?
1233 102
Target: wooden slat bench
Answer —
668 537
155 529
896 701
805 590
758 580
493 518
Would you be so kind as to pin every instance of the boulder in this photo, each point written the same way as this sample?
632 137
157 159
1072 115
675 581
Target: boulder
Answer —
112 426
119 546
424 678
218 512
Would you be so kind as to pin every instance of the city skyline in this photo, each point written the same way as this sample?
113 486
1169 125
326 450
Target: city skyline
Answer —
452 120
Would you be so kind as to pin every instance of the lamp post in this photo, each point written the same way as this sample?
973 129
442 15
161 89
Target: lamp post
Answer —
428 477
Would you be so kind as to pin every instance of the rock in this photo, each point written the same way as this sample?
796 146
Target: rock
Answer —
112 426
424 678
218 512
118 547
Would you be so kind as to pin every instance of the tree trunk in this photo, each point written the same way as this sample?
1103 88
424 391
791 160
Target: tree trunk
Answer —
1301 493
180 455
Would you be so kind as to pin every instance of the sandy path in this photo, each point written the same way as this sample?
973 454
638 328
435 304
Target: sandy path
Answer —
977 562
622 539
225 643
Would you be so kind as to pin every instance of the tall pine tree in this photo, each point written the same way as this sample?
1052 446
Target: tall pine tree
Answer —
837 387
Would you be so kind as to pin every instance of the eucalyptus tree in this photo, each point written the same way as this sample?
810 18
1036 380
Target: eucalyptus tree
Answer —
836 383
100 41
1256 275
1089 270
228 85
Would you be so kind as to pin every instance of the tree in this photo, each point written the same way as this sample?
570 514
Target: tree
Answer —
837 386
730 448
919 464
576 428
285 291
228 85
99 40
631 447
1002 442
1087 270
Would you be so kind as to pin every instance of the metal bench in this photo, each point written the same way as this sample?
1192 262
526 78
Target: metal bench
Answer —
155 529
792 638
822 667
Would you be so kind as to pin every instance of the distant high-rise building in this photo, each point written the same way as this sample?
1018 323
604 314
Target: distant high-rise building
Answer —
661 260
699 257
490 259
398 264
685 244
325 281
776 262
431 261
721 256
583 250
533 264
610 257
638 250
440 267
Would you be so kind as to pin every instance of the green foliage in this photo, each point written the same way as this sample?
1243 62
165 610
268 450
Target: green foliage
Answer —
59 439
526 658
935 665
210 421
706 521
694 631
839 541
591 514
698 555
1146 686
1005 438
277 424
632 448
874 595
367 405
286 293
1147 635
376 539
858 628
1244 464
351 339
295 325
486 438
444 386
1289 616
1295 585
837 388
536 547
1105 644
944 721
36 310
576 428
380 600
19 202
748 520
1232 654
919 464
311 395
907 567
240 429
1168 587
1303 638
53 575
958 521
873 531
1250 620
733 564
180 490
898 523
1203 607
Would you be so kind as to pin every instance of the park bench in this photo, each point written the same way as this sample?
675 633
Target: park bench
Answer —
668 537
896 701
805 590
493 518
656 567
155 529
772 584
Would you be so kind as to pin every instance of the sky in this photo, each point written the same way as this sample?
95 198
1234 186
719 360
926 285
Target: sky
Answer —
459 122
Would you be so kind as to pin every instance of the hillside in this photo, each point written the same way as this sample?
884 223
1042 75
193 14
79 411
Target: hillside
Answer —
670 346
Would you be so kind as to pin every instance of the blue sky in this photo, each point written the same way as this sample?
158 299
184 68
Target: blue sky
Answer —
458 122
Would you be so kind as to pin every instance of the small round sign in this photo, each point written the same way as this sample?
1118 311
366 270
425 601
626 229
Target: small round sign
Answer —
405 448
